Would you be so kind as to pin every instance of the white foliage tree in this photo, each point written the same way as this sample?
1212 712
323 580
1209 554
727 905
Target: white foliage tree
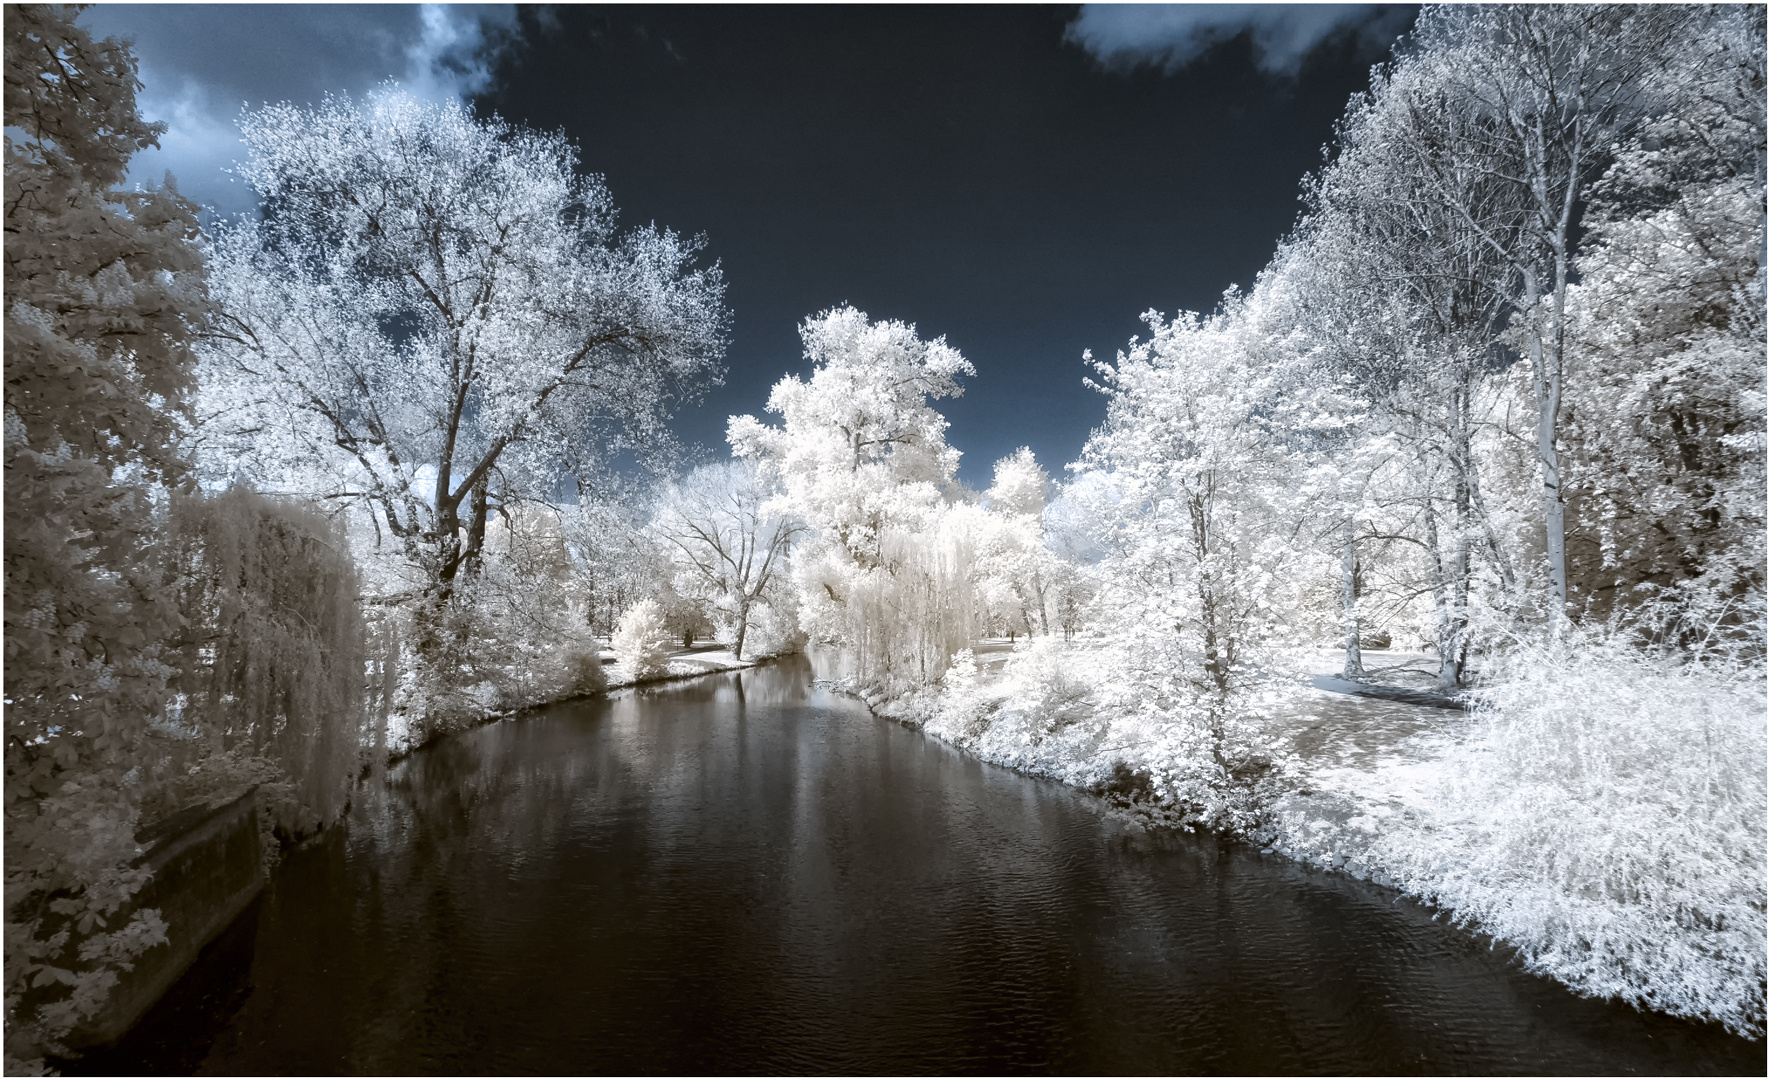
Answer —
863 459
728 542
641 640
437 312
1534 95
1018 574
1198 510
615 558
1401 299
103 293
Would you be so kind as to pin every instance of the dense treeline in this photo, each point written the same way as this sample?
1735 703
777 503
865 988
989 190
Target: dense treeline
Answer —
1500 394
296 496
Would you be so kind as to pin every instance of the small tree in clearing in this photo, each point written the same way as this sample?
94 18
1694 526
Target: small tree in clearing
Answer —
728 544
639 640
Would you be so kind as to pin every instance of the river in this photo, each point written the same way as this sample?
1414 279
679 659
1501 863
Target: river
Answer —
747 874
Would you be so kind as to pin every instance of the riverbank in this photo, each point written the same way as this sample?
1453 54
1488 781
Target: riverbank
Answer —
1601 814
1344 759
420 721
687 663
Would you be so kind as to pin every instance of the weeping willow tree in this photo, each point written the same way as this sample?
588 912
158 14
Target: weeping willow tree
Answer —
272 689
883 574
905 619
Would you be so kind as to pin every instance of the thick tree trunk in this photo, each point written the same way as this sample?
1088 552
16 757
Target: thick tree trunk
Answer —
478 510
1547 386
449 548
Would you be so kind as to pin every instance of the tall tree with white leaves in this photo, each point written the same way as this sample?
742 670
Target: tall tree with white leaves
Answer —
863 459
1535 95
104 291
1405 296
1016 569
438 310
1198 516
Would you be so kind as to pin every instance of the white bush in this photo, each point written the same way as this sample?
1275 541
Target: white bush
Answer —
1080 713
1606 815
774 628
641 640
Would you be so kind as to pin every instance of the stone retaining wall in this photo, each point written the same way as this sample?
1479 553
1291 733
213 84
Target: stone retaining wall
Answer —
207 866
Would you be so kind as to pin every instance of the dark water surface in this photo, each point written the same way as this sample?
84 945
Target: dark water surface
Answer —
743 874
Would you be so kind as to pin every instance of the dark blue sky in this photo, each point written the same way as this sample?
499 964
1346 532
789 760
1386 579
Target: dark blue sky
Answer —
969 169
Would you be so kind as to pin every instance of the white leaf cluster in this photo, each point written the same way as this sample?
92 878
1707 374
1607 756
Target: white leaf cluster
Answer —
862 459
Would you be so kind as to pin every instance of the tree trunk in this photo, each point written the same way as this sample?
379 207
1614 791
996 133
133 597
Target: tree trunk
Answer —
1450 674
1508 580
449 550
1547 387
1552 406
478 509
1218 651
1449 667
1354 667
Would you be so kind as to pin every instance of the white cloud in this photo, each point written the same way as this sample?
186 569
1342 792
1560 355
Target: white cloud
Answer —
201 63
199 146
1173 35
455 46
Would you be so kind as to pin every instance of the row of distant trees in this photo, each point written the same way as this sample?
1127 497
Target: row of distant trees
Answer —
1500 392
1506 373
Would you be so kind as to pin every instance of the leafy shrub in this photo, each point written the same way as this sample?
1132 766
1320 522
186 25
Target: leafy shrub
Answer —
1606 815
641 640
1091 714
584 668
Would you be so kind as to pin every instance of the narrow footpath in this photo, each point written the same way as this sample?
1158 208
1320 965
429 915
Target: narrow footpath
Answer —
1362 755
